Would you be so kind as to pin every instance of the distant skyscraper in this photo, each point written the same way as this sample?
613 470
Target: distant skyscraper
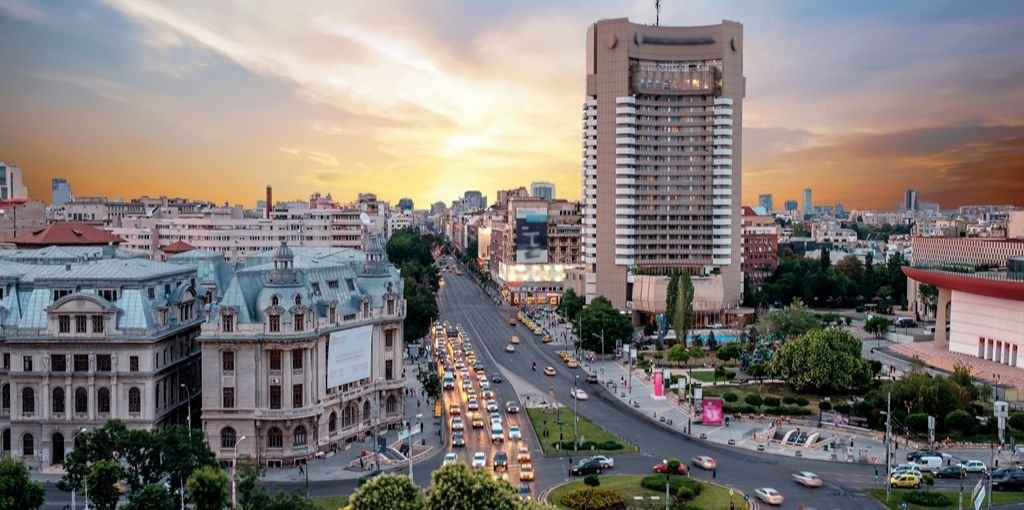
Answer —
405 204
792 205
910 202
11 185
473 199
544 190
60 192
808 204
656 91
765 201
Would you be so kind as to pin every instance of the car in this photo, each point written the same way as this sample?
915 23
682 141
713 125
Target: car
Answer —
905 481
524 453
975 466
511 407
579 394
500 461
512 321
457 423
549 371
510 348
1008 481
495 417
592 378
500 475
704 462
464 373
526 473
912 456
514 432
458 439
478 422
768 495
525 492
450 458
661 468
479 460
488 393
515 340
807 479
564 355
455 409
466 385
904 322
586 467
1006 471
492 406
473 404
478 367
606 461
955 471
928 463
547 339
572 363
471 394
496 378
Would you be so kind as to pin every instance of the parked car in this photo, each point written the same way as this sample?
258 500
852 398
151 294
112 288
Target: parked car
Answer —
807 479
768 495
705 462
586 467
905 322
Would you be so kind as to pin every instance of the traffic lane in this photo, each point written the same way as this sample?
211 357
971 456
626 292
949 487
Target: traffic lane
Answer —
744 470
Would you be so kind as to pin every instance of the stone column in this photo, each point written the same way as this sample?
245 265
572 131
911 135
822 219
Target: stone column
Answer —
941 338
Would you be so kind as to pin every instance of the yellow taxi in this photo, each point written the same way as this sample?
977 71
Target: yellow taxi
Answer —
905 481
564 355
547 339
524 453
526 473
571 363
455 409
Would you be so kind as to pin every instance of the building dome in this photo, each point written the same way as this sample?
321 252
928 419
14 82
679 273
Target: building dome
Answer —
284 252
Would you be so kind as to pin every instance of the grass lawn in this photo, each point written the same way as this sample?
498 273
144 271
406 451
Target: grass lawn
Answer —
766 390
998 498
331 502
713 497
707 376
587 429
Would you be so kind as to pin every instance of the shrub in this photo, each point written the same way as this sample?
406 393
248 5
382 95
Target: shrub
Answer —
959 420
589 445
592 498
773 410
737 408
732 397
772 401
927 498
753 399
788 400
918 422
843 408
825 405
673 465
1017 420
657 483
591 480
685 494
801 401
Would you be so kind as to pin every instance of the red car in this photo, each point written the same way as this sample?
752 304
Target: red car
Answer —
661 468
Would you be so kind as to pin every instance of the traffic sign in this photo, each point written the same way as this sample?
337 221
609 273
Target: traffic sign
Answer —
731 492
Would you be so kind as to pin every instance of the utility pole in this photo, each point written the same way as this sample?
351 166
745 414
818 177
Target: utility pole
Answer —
888 440
188 402
234 468
575 416
991 465
657 12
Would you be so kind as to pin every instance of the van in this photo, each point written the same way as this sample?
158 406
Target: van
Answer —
497 433
905 322
928 463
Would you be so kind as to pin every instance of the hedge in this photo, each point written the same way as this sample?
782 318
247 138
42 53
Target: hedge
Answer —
772 401
657 483
788 399
730 397
587 445
801 401
927 498
592 498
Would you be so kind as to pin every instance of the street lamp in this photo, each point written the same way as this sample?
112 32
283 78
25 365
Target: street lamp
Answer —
575 416
73 505
420 418
664 462
188 402
234 468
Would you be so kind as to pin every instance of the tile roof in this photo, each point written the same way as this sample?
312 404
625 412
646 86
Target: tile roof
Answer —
177 247
67 234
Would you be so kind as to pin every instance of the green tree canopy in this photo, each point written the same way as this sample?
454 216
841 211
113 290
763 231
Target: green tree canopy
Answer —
729 352
208 488
102 484
17 490
877 326
152 496
790 322
570 305
681 315
388 492
823 361
457 487
600 316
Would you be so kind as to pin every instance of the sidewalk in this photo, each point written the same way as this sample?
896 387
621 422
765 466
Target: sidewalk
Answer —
854 445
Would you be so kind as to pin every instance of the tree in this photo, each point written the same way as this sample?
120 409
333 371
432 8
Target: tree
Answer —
152 496
678 353
1017 421
208 488
929 295
712 341
672 293
825 259
917 422
824 361
390 492
17 490
431 383
570 305
102 484
457 487
877 326
293 500
247 473
728 352
720 373
790 322
601 317
959 420
851 267
681 316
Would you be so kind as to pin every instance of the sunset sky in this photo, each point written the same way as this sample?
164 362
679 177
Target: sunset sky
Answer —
421 98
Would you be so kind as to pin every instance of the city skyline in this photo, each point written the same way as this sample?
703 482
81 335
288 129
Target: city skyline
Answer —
134 98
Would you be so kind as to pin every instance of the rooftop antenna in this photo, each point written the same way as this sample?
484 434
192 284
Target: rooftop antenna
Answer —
657 12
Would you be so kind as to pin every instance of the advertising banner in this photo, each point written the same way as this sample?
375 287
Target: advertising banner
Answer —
348 355
711 411
659 385
531 235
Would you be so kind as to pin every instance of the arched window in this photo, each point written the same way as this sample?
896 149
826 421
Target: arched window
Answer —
332 422
348 415
298 300
103 400
227 437
299 436
5 445
28 401
6 404
274 301
28 445
274 438
391 405
58 400
134 400
366 412
81 401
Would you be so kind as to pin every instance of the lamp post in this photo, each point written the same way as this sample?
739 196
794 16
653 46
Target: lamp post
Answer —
420 418
73 505
234 468
888 440
575 416
188 402
376 428
665 463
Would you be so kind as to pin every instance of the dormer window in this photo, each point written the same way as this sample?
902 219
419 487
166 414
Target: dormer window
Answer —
64 323
351 284
316 288
109 294
59 293
274 301
227 323
298 300
333 314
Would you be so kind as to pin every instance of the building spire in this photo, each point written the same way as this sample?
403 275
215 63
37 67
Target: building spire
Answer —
657 12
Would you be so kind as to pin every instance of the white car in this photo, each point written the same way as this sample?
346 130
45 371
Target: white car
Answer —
768 495
510 348
492 406
705 462
975 466
606 461
807 479
479 460
457 423
495 417
473 404
514 432
906 468
450 458
579 394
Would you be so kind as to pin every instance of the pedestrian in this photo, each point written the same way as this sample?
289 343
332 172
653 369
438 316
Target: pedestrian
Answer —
361 463
417 403
301 470
714 474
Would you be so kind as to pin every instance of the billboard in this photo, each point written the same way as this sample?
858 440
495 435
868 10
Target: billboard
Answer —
659 385
348 355
532 235
711 412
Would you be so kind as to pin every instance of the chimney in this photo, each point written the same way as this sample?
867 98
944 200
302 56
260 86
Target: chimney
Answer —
270 196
